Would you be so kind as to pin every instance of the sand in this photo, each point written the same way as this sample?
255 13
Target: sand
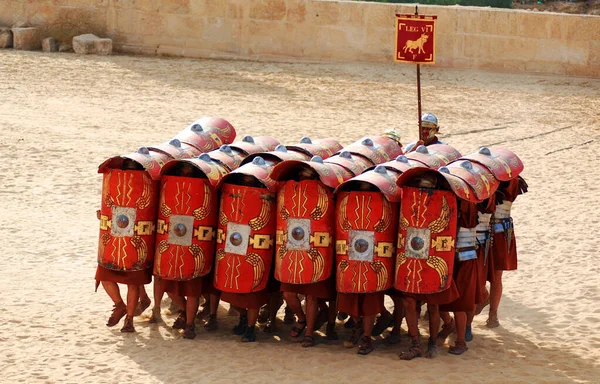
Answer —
61 115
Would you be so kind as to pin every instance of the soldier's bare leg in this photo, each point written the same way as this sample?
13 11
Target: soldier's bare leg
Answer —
366 343
250 334
410 311
469 331
460 346
312 306
133 295
292 300
158 292
191 307
275 302
434 328
120 309
394 336
495 296
212 324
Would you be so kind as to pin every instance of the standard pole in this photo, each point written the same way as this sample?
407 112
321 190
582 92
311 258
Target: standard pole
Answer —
419 90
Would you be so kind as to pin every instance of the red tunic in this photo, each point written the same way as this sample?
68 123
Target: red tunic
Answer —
192 287
505 259
361 304
124 277
465 272
253 300
486 265
324 289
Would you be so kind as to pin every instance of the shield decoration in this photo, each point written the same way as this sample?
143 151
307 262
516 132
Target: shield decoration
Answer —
127 220
245 238
186 228
305 228
366 230
426 240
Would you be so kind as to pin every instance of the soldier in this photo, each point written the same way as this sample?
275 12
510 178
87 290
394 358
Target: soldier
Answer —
428 134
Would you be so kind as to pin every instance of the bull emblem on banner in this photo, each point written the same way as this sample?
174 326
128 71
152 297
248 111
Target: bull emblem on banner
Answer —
411 45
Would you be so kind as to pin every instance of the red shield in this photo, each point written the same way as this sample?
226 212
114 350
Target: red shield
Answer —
186 228
207 133
305 228
366 231
503 164
376 149
245 238
323 147
415 38
127 220
426 240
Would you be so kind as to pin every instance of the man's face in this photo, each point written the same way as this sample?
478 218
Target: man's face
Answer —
428 133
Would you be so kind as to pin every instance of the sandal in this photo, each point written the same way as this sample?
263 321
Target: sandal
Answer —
447 330
211 324
366 345
289 317
155 316
383 322
492 321
458 348
128 325
295 332
432 349
415 350
190 331
341 316
322 318
119 310
468 333
249 336
308 341
263 314
331 334
180 321
357 332
142 305
241 327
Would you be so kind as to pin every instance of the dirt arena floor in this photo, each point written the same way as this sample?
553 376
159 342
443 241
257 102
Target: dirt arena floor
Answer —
61 115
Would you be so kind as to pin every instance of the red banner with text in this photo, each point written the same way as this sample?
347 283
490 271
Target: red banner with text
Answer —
415 38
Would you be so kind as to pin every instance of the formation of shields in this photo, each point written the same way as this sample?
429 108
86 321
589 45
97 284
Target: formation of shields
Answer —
250 222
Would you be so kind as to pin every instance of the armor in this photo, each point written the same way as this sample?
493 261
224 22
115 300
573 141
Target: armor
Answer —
402 164
502 163
207 133
246 228
426 236
435 155
481 180
376 149
175 149
323 148
127 220
186 225
352 163
306 219
366 232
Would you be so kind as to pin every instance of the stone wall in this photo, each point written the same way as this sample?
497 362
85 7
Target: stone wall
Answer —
315 30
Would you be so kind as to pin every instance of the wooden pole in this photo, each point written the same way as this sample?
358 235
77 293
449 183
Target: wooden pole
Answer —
419 90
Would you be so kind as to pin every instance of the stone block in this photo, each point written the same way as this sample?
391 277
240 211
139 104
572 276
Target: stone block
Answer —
65 48
27 39
92 44
268 9
324 13
6 37
49 44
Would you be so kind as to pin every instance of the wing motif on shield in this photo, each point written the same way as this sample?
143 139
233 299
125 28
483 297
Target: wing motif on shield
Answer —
262 219
283 212
219 257
144 201
341 269
386 218
381 272
322 204
202 212
259 267
441 223
318 262
343 215
440 267
199 259
140 246
164 208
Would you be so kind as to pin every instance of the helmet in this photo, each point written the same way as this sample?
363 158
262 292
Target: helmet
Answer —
393 134
428 120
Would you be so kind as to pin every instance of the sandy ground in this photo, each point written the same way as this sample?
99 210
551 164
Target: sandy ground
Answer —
61 115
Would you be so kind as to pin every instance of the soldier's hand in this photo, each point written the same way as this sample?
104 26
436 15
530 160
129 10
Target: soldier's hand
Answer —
414 148
98 214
